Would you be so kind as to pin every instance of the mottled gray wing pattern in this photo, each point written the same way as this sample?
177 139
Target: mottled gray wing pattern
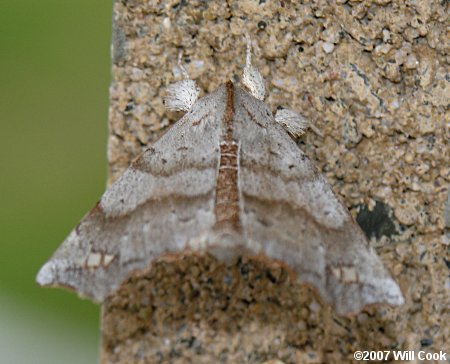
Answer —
164 199
290 213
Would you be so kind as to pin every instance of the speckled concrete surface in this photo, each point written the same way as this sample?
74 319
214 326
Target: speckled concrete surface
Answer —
198 310
374 77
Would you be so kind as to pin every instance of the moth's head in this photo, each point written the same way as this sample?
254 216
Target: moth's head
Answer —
182 95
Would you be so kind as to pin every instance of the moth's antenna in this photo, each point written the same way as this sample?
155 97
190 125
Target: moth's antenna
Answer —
251 78
248 58
184 72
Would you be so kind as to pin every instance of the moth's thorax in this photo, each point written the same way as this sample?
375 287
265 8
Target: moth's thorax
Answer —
227 204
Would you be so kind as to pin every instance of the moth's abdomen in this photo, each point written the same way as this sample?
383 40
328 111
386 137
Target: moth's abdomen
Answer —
227 206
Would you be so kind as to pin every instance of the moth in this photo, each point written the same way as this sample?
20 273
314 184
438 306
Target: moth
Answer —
227 179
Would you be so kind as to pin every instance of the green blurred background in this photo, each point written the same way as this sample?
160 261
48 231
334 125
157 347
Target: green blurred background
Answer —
54 78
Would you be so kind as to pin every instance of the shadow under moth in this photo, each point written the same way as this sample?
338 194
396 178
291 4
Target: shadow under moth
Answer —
227 179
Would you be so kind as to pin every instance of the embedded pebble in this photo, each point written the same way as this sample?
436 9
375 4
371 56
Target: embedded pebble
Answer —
328 47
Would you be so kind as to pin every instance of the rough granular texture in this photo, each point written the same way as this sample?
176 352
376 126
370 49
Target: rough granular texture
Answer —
198 310
373 76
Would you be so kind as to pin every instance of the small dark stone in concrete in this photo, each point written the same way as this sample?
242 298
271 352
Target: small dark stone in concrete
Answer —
376 222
